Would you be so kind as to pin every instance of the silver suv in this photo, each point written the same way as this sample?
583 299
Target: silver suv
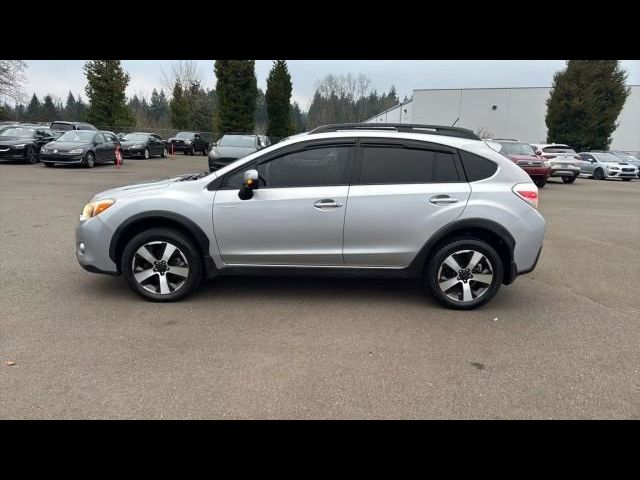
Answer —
428 202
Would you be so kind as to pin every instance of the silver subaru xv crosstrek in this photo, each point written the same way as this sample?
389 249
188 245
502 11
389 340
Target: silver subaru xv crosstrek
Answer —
393 200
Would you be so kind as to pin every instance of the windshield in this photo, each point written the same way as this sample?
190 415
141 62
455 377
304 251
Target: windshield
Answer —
607 157
186 135
627 157
135 137
512 148
242 141
18 132
61 126
77 136
558 149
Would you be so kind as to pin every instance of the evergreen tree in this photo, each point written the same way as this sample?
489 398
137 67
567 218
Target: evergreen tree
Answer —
236 93
179 108
80 110
586 99
261 117
49 112
106 85
34 109
298 117
278 98
159 107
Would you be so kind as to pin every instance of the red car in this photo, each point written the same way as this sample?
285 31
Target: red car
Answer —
523 155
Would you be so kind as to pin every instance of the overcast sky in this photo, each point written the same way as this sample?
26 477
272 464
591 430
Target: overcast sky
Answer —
57 77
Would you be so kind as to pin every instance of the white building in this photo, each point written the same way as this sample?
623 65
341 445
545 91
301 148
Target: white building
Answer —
502 113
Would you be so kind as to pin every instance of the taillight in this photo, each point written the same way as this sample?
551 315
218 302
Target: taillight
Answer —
527 192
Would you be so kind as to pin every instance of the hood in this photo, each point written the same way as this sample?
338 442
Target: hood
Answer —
14 140
64 146
128 143
234 152
119 192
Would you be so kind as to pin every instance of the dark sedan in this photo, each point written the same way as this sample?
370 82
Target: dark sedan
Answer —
141 144
81 147
23 143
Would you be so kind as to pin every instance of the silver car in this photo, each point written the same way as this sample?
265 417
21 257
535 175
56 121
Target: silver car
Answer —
426 202
602 165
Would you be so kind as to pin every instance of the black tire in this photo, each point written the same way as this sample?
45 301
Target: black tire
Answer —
164 153
30 155
433 269
184 244
540 182
49 165
89 160
146 154
569 179
626 179
598 174
205 151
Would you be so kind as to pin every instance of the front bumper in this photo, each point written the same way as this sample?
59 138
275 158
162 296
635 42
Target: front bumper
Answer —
132 152
621 174
12 154
93 238
58 158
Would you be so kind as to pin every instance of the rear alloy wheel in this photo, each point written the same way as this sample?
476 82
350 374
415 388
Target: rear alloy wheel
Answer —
146 154
31 155
89 160
568 179
598 174
164 153
464 273
161 265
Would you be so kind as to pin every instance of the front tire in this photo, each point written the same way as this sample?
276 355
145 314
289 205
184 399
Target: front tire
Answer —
161 265
464 273
626 179
146 154
89 160
598 174
164 153
568 179
31 156
48 165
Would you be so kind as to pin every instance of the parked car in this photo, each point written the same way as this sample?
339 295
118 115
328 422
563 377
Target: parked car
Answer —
563 160
81 147
62 126
628 158
232 147
602 165
264 141
23 142
400 201
142 144
523 155
189 143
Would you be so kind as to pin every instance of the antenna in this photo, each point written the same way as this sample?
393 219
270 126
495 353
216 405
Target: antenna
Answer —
454 123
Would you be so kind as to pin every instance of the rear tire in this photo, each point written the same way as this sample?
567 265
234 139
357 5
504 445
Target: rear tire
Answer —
146 154
31 156
567 179
205 151
540 182
185 258
598 174
457 289
164 153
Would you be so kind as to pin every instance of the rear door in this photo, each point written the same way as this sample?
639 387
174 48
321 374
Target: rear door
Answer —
402 193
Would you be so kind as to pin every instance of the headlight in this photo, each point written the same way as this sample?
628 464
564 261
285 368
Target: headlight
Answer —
187 142
547 163
19 146
92 209
137 146
77 150
614 168
213 153
43 150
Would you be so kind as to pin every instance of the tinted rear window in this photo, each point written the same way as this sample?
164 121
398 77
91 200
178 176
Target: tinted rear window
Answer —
477 167
61 127
391 164
558 150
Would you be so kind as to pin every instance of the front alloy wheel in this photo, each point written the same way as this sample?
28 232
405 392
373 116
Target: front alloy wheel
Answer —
161 265
89 160
146 154
31 155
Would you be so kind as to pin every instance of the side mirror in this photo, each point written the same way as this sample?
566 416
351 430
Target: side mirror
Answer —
250 183
538 152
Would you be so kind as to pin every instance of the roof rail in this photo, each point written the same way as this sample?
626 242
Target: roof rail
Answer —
400 127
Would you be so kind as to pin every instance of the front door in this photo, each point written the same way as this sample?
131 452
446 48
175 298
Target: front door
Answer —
402 193
295 217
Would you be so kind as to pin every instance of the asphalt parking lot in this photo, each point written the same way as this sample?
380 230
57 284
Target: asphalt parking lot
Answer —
561 342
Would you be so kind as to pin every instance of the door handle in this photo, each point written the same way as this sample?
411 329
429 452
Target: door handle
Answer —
442 200
326 203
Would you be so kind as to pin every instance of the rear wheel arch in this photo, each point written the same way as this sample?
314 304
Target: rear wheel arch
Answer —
160 219
487 230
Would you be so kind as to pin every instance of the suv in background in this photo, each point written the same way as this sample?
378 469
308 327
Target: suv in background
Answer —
601 165
409 201
188 143
563 160
61 126
233 146
522 154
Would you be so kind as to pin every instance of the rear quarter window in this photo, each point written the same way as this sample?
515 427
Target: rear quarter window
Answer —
61 126
477 167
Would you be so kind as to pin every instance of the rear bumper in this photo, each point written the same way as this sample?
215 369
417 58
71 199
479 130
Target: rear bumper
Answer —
558 171
536 171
